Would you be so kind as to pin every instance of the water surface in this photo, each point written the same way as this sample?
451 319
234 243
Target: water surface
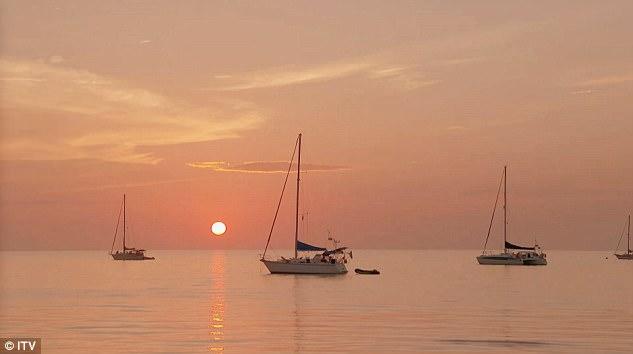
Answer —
424 301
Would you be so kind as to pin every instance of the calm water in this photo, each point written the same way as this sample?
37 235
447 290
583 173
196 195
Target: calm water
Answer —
425 301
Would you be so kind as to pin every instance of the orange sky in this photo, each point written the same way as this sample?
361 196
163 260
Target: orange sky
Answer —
409 112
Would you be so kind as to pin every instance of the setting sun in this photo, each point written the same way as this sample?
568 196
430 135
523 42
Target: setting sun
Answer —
218 228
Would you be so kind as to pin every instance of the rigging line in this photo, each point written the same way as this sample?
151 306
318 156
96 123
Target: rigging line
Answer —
306 203
305 222
118 221
272 227
620 240
493 213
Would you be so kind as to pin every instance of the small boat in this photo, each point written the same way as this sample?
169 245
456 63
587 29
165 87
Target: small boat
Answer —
322 261
127 253
629 254
365 271
525 255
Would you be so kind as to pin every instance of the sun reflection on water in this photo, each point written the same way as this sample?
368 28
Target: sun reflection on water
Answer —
216 318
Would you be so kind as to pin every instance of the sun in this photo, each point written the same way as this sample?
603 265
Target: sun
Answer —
218 228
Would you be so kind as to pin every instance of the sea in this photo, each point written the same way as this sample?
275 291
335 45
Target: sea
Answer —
424 301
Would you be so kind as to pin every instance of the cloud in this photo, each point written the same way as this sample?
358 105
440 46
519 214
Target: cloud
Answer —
582 92
286 76
56 59
456 128
407 66
388 72
52 112
262 167
21 78
400 77
127 186
461 61
606 81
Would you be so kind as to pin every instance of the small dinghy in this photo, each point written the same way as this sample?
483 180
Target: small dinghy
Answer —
366 271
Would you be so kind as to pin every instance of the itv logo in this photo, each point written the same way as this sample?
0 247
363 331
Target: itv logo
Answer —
21 345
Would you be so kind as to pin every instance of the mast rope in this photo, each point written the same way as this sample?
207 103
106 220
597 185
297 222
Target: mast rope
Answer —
620 240
493 212
272 227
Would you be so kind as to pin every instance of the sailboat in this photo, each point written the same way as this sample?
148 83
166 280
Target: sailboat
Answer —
629 254
323 261
525 255
127 253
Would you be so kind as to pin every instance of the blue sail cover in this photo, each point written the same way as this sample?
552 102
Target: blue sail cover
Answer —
515 247
301 246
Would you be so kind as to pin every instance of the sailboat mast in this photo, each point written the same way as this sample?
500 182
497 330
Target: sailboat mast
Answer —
505 207
124 225
297 205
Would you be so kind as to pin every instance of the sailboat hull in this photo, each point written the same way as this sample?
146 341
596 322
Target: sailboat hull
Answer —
509 259
499 259
290 267
130 257
535 261
627 256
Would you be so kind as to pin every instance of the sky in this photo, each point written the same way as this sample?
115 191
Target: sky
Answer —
409 110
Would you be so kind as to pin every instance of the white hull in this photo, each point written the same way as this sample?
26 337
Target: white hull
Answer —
293 267
509 259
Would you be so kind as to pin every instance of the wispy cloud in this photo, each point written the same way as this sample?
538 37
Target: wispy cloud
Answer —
262 166
388 72
406 67
456 128
21 78
55 112
56 59
461 61
401 77
126 186
582 92
288 76
606 80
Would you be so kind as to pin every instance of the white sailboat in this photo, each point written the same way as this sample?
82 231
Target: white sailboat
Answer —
127 253
629 254
525 255
323 261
